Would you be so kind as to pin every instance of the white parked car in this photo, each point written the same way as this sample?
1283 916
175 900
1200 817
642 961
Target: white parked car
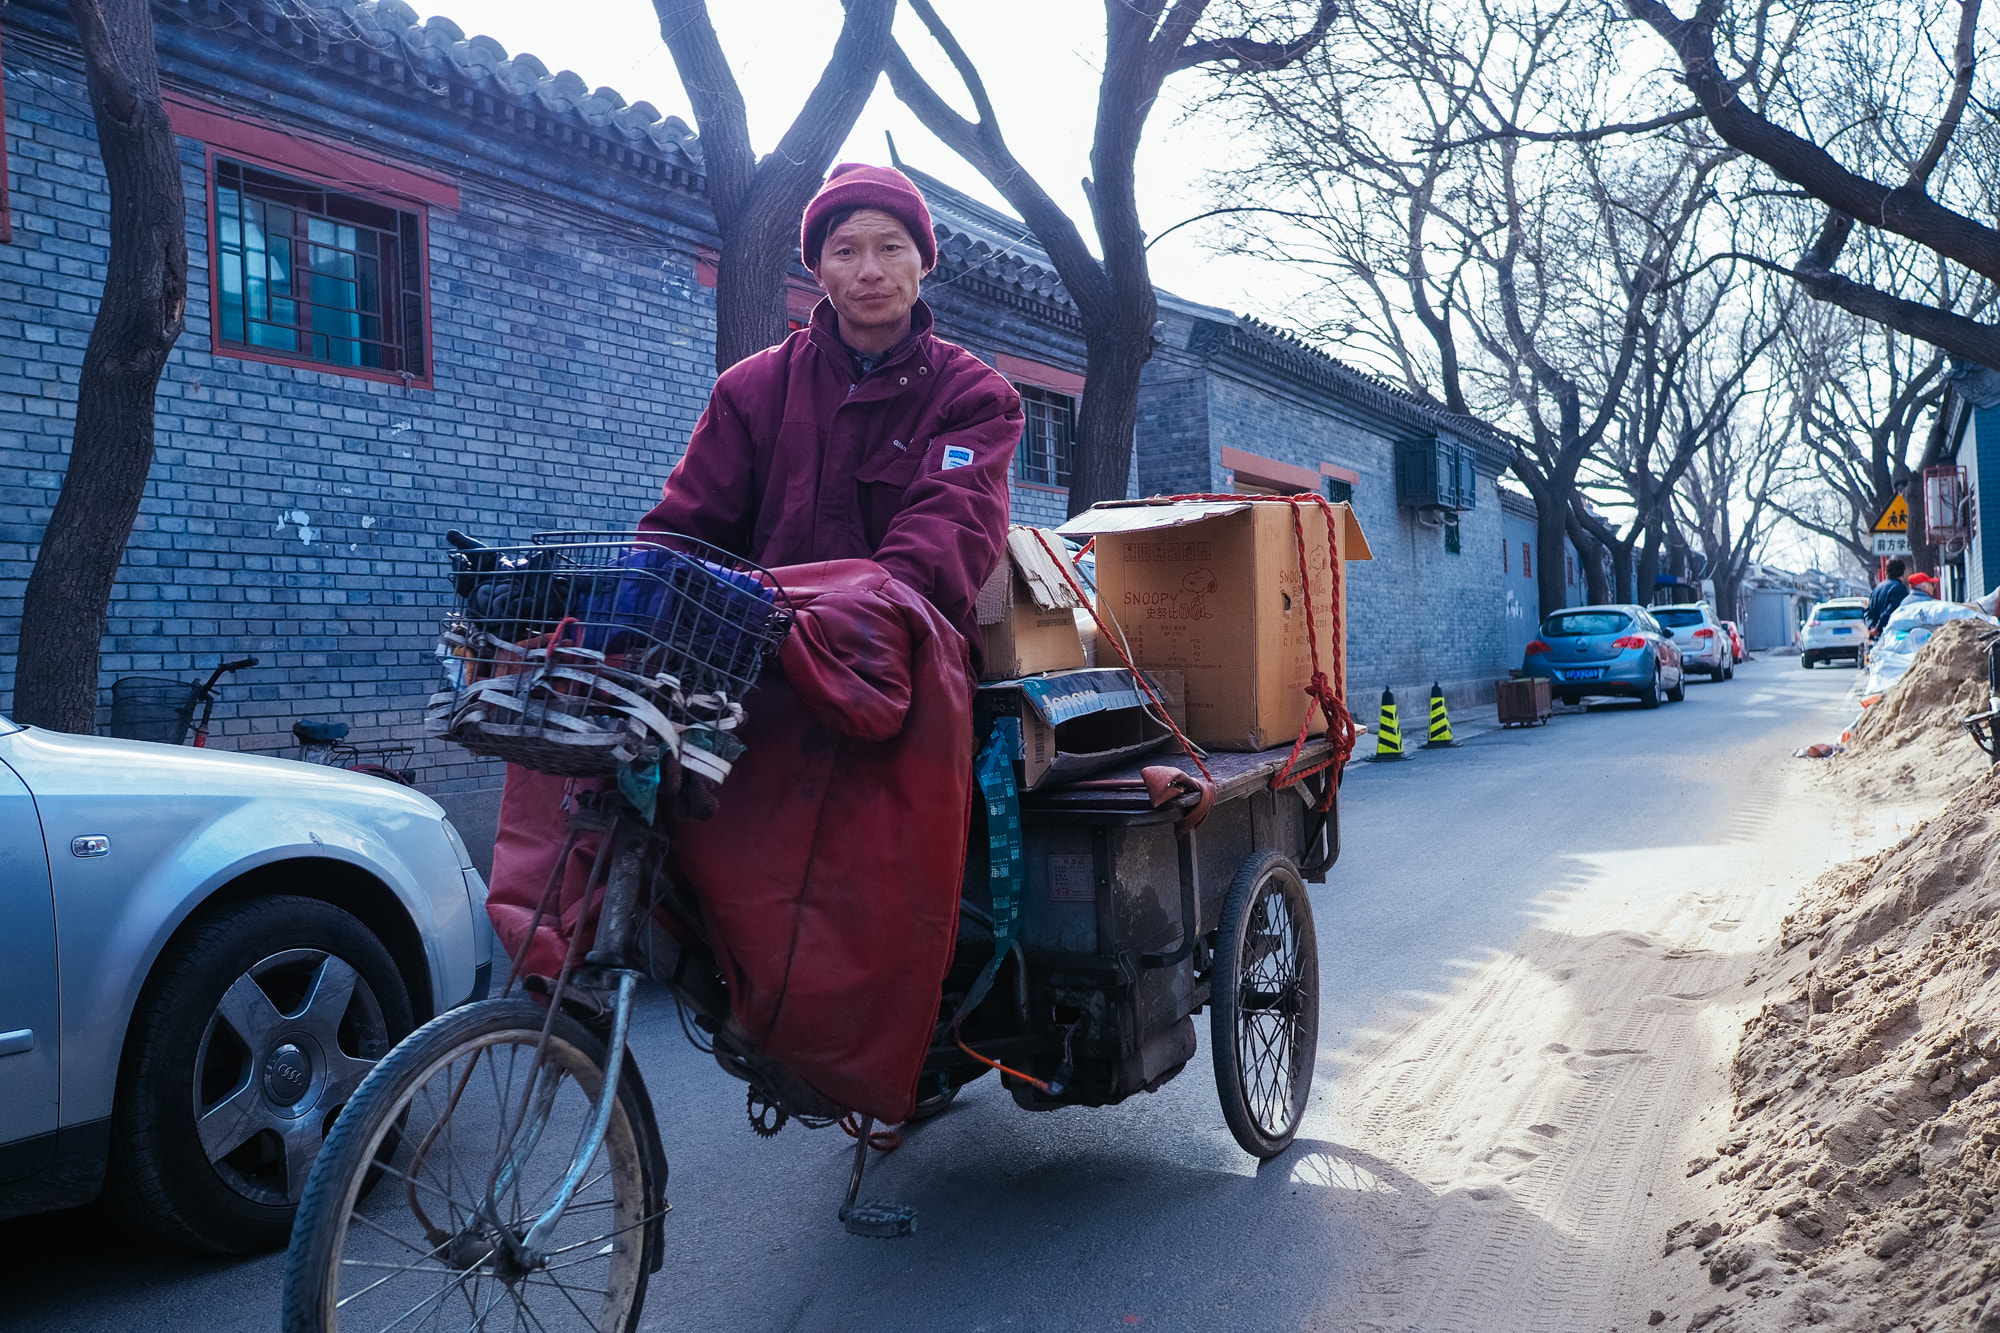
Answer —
1835 630
1703 641
201 954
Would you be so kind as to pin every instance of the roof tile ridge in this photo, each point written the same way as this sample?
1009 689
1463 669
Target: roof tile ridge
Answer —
444 58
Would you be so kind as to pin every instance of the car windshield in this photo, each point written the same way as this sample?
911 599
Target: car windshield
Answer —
1585 622
1677 617
1839 613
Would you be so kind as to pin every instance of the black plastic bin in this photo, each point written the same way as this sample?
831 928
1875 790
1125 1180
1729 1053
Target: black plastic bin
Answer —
151 708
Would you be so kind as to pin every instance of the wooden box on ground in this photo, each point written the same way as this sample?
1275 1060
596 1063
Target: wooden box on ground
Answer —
1212 589
1523 702
1027 610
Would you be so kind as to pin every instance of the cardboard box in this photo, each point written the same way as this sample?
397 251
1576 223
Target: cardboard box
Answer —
1027 611
1075 723
1212 589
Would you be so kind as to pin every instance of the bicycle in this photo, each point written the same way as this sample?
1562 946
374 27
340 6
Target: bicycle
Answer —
535 1177
153 708
326 743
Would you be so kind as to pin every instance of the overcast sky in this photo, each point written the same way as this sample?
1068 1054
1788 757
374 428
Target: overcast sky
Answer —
1040 60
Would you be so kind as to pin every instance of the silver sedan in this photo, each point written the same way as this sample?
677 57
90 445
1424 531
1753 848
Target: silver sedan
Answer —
201 954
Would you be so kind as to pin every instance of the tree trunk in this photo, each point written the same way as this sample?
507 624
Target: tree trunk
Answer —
1589 554
1109 416
750 305
1621 572
138 320
1649 566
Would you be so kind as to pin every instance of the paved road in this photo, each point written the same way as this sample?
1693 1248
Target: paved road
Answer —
1145 1214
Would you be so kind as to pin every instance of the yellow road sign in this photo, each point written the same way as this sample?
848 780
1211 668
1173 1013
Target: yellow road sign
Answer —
1896 518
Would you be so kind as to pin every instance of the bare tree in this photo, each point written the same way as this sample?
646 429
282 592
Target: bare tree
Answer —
1912 120
1704 350
758 201
1145 42
1493 269
138 320
1725 499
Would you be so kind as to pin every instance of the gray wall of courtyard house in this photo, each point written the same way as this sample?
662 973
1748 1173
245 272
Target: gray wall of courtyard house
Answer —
294 513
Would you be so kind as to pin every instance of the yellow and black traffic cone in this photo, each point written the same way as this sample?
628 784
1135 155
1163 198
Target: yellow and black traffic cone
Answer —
1440 723
1388 733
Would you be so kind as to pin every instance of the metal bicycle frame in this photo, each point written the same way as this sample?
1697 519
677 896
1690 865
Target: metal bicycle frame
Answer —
606 967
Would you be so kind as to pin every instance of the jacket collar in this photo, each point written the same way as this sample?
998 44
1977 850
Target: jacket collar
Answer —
825 335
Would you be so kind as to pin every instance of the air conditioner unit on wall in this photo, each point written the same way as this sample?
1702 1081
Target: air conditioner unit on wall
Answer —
1435 474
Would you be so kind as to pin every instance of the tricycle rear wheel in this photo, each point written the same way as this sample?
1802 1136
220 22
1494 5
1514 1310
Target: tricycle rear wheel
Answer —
1264 1004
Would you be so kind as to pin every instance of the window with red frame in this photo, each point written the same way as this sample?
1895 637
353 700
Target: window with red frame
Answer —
319 275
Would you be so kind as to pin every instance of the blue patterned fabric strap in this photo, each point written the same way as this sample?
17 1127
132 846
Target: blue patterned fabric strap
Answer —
995 771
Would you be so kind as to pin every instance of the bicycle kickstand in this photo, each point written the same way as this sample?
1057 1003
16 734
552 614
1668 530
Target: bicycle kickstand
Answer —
875 1219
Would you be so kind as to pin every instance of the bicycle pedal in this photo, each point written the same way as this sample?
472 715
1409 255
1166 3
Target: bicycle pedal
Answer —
879 1221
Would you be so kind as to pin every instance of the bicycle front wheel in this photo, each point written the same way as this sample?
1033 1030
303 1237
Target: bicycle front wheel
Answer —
417 1209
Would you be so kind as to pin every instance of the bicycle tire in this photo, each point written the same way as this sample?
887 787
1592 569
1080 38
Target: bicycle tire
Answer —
1264 1004
437 1151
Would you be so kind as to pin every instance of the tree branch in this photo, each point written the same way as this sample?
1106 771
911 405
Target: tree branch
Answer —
1961 89
1905 210
1577 136
1247 55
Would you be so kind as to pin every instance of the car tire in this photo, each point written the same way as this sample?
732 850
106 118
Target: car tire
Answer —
236 1016
1569 700
1649 695
1806 661
1728 672
1679 691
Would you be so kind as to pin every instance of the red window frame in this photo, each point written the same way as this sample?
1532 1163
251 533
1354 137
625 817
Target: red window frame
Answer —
316 162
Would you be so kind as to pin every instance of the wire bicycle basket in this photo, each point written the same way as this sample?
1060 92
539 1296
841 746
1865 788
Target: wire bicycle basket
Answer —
578 652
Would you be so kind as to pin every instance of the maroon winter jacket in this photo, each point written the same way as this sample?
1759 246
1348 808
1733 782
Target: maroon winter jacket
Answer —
798 459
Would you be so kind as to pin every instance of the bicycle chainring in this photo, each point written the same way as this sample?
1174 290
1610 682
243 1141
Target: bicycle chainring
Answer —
766 1116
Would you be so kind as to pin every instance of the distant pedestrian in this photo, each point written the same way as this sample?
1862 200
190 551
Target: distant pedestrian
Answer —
1888 595
1923 588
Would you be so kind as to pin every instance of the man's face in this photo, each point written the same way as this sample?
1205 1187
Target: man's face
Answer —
871 269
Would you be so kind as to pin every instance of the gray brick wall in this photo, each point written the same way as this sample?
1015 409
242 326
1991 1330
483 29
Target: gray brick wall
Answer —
1417 614
295 514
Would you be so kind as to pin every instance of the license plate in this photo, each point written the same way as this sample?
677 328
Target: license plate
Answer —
1584 673
1843 631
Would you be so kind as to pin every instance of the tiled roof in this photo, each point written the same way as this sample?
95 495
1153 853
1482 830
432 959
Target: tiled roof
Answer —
973 238
384 43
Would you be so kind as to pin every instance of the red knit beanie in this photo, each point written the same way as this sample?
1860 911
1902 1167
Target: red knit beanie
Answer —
858 185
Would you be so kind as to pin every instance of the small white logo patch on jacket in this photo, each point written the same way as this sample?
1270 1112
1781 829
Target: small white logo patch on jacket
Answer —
955 455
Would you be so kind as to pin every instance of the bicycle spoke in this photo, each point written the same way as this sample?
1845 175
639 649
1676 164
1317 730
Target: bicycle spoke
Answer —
379 1281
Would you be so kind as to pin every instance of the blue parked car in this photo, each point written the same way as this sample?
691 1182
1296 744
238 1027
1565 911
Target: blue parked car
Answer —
1616 650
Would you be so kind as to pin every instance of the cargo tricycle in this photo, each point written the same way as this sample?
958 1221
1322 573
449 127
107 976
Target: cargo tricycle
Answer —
502 1166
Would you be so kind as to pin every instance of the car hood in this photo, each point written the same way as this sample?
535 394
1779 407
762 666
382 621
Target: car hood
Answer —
57 763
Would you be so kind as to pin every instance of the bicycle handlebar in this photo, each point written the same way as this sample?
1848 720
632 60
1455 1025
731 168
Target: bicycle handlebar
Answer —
223 670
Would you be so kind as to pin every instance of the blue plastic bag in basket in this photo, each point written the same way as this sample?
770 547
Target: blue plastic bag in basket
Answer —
711 616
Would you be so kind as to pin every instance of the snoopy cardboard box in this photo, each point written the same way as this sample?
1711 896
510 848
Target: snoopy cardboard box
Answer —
1212 589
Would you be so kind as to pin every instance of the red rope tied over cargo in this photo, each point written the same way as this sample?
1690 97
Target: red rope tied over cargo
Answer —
1319 689
1117 641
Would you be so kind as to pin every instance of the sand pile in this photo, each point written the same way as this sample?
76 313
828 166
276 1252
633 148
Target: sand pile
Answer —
1911 744
1857 1184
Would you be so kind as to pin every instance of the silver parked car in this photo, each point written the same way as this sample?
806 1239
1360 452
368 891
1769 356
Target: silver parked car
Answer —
1616 650
1703 641
201 954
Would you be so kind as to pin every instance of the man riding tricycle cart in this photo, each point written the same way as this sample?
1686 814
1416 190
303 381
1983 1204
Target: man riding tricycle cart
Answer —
746 760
